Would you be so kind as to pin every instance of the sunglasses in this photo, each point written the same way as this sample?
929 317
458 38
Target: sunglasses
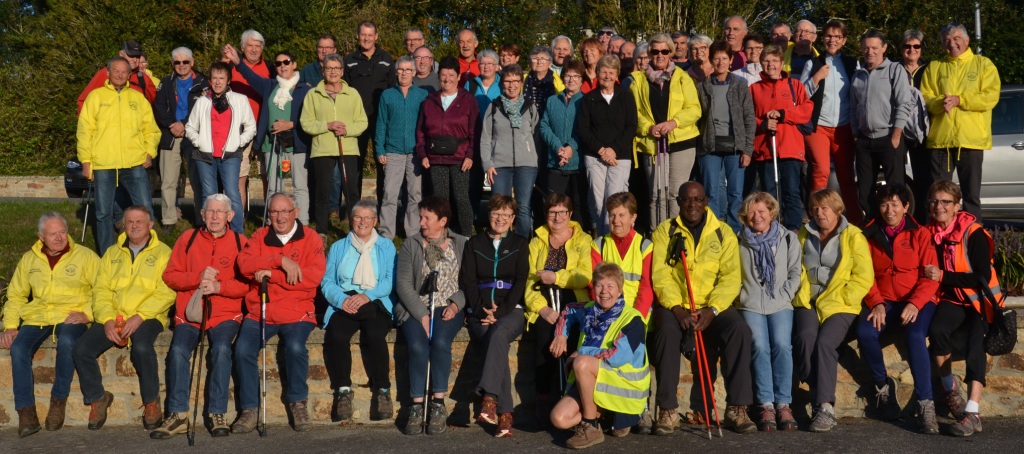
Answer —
183 62
911 46
605 33
282 62
654 52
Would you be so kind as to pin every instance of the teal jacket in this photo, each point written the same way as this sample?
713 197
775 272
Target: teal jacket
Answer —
341 264
397 115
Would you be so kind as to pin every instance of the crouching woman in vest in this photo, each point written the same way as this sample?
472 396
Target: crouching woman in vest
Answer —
965 261
609 370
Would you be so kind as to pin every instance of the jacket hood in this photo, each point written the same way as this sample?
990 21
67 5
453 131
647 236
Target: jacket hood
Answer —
320 90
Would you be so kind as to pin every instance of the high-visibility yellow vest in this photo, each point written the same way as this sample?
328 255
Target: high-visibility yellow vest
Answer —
632 264
622 389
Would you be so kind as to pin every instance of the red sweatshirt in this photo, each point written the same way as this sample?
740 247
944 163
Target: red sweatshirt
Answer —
185 269
899 266
287 303
778 94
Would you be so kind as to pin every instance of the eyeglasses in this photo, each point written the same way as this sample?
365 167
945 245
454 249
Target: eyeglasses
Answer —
370 218
280 63
325 47
281 212
404 70
332 69
834 37
660 52
182 62
558 214
941 202
488 64
540 59
911 46
572 77
502 216
512 81
806 32
217 213
427 57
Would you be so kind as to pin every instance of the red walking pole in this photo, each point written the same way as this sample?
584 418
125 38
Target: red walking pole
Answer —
702 358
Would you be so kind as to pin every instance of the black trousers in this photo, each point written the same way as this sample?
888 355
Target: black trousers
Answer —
816 351
373 324
450 182
496 341
323 177
727 338
570 184
872 154
953 318
94 343
967 164
921 165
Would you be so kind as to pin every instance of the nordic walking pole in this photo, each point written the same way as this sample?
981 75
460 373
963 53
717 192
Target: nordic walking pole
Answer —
429 287
657 182
85 220
553 294
197 370
665 176
264 297
702 360
775 165
267 194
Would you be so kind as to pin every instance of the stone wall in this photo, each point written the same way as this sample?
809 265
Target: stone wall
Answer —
1003 397
53 187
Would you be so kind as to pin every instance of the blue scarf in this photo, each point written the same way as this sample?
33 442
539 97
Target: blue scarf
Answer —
596 322
764 256
514 109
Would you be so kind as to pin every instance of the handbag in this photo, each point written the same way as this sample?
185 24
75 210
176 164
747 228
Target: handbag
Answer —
1001 336
194 309
445 145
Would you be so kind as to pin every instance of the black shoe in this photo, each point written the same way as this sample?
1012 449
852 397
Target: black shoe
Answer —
415 424
438 423
341 409
381 407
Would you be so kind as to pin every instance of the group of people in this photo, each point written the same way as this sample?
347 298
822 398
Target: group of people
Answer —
724 246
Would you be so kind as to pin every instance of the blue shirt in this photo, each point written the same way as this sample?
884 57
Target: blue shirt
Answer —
484 97
396 120
835 102
182 86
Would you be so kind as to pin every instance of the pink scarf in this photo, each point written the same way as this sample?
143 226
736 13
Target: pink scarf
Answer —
660 77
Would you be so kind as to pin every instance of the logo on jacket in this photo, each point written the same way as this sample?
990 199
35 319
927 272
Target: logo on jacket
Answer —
133 105
71 270
972 76
715 247
295 255
224 262
150 261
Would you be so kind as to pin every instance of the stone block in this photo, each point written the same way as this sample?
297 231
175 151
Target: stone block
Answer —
1012 360
4 417
44 374
1005 384
124 366
317 373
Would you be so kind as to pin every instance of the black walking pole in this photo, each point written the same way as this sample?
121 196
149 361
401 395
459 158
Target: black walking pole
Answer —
197 370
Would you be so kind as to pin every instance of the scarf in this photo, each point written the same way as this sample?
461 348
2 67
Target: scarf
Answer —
764 256
364 276
220 102
596 322
660 77
284 90
891 232
433 253
514 109
945 239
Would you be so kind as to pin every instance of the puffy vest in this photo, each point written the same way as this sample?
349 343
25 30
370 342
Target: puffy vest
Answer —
632 264
623 389
962 264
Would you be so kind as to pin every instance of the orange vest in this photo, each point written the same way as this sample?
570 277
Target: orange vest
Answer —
961 263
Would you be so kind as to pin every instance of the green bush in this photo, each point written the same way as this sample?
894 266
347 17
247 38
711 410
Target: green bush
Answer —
1009 259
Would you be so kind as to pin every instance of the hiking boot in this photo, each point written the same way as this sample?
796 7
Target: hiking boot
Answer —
28 421
55 416
956 404
619 433
438 422
736 418
786 421
381 407
488 411
766 419
300 415
668 420
646 422
246 421
98 411
174 424
926 417
966 426
824 419
152 416
585 436
504 426
219 426
415 424
887 405
341 409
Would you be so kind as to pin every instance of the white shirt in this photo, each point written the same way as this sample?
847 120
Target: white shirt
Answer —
284 238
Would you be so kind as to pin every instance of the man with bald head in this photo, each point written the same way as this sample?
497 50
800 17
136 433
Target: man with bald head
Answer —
712 256
561 50
800 52
426 76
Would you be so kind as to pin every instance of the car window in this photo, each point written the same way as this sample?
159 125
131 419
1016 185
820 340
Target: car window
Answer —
1008 116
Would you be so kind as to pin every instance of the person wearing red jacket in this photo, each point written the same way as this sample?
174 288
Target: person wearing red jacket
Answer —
203 261
780 104
141 80
291 257
900 296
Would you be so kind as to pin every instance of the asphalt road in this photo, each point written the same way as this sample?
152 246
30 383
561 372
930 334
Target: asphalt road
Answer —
1001 435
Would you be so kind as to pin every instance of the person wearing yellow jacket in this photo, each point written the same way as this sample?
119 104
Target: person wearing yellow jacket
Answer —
667 112
712 259
960 91
560 267
129 307
117 141
58 276
836 276
333 114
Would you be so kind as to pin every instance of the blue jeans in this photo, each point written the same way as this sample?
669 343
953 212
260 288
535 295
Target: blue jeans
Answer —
179 360
25 346
520 180
226 172
439 352
726 206
789 189
772 355
135 182
291 347
917 350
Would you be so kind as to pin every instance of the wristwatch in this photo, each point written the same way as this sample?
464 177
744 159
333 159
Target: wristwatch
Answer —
714 310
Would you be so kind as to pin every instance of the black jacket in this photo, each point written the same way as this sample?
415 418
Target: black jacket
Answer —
600 124
303 141
370 77
166 104
482 264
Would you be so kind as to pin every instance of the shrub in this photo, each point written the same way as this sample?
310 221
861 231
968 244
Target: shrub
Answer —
1009 259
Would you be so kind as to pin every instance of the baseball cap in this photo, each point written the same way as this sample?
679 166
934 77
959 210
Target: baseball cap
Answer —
132 48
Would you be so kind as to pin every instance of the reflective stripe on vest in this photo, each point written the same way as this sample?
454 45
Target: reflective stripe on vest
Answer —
622 389
632 264
962 263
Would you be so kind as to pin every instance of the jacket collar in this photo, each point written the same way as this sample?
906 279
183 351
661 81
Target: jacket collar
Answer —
272 240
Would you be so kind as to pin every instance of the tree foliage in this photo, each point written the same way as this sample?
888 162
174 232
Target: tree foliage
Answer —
50 49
